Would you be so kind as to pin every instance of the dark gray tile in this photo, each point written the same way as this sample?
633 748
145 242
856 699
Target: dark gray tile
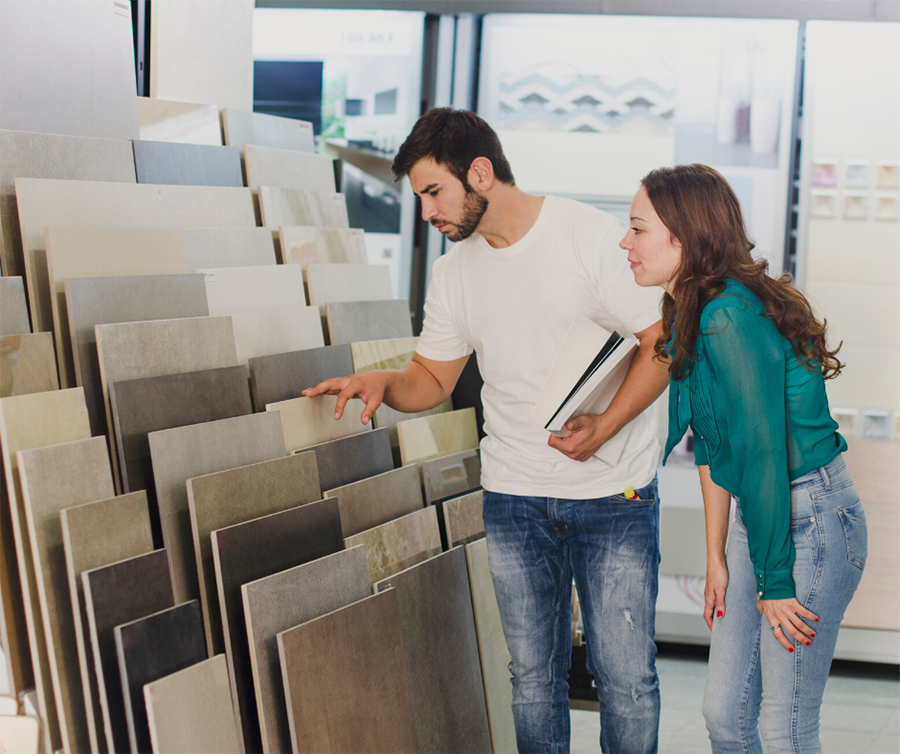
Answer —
450 476
250 551
463 521
187 164
378 499
13 307
354 321
285 375
353 458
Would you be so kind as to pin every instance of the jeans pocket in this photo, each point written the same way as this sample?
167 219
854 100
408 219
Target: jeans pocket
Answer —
853 521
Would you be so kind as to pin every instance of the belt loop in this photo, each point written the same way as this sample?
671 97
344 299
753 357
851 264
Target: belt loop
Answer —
826 480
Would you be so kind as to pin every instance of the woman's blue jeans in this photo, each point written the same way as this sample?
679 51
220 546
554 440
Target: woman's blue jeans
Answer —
611 547
754 686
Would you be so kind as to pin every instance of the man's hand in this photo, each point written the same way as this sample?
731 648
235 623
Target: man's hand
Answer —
368 387
588 433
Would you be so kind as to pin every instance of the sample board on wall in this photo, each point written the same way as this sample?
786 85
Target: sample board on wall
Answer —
322 209
306 245
178 122
244 127
287 168
13 306
28 364
187 164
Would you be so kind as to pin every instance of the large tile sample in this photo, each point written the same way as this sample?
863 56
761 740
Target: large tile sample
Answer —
353 458
192 711
26 422
323 209
288 168
229 247
28 364
378 499
463 521
352 321
94 535
187 164
45 203
226 498
349 660
151 648
273 331
242 127
450 476
283 376
182 453
113 595
13 306
56 477
439 435
310 421
348 282
281 601
178 122
20 733
246 289
253 550
442 654
306 245
92 301
399 544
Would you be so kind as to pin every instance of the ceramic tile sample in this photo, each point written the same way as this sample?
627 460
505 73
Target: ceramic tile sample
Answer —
463 520
20 733
229 247
283 376
288 168
191 710
306 245
178 122
151 648
353 458
53 478
181 453
352 321
187 164
226 498
246 289
113 595
348 282
438 435
253 550
442 654
94 535
281 601
682 541
28 364
294 207
242 127
310 421
348 660
449 476
378 499
9 706
273 331
13 307
399 544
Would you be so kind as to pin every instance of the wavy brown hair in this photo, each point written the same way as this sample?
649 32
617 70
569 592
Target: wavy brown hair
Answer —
699 208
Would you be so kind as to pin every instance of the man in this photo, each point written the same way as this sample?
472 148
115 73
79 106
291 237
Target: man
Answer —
523 267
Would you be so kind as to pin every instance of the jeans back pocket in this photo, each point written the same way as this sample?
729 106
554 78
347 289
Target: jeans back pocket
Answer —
853 521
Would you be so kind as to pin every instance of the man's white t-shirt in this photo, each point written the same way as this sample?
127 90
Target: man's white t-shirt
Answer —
513 306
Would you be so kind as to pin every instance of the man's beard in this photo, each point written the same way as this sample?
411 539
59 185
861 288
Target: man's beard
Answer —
473 210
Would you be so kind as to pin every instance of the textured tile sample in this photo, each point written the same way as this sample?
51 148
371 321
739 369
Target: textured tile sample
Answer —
272 331
242 127
92 301
310 421
492 648
13 307
187 164
378 499
281 601
192 711
399 544
253 550
151 648
178 122
246 289
438 435
682 541
56 477
449 476
352 321
229 247
348 282
442 654
283 376
348 660
353 458
94 535
293 207
226 498
20 734
113 595
288 168
181 453
306 245
463 520
28 364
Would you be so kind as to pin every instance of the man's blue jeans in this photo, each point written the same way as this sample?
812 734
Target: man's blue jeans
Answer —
611 547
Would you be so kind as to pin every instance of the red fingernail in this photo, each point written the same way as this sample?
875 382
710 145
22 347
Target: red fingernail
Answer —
817 620
790 649
809 643
719 614
813 635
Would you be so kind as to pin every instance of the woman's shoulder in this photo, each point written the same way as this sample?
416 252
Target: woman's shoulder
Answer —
736 301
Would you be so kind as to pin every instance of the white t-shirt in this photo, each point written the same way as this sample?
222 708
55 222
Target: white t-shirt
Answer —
513 306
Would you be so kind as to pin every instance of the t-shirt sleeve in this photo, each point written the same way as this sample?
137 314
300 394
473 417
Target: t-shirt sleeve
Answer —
441 338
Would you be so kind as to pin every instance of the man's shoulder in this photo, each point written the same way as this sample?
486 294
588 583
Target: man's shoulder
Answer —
582 213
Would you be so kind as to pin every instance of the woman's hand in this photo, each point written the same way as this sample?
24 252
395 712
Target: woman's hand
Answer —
714 592
786 618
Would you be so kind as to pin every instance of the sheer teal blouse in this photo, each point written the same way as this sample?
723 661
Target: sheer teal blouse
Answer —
760 420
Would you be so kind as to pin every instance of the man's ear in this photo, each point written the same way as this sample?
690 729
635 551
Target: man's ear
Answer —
481 174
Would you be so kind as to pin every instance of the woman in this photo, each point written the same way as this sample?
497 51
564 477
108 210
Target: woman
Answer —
748 361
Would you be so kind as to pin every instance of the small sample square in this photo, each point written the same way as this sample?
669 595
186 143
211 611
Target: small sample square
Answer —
876 425
848 421
887 207
856 206
856 174
824 173
823 204
887 175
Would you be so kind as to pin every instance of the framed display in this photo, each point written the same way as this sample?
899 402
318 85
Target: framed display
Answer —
823 204
824 173
856 206
888 175
856 174
887 207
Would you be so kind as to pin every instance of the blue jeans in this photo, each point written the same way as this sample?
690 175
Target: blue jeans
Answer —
754 686
611 546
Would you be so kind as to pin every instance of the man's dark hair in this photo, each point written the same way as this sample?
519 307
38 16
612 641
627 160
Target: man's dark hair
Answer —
453 139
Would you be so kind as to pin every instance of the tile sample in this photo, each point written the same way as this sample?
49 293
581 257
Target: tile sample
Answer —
438 435
192 711
353 458
242 127
323 209
151 648
28 364
182 453
682 541
94 535
463 520
13 307
253 550
399 544
52 478
442 654
450 476
378 499
178 122
310 421
281 601
288 168
229 247
20 733
283 376
272 331
246 289
113 595
348 282
226 498
9 705
352 321
349 660
306 245
187 164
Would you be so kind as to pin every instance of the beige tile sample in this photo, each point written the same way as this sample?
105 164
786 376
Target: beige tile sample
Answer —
439 435
229 247
306 245
348 282
378 499
279 330
28 363
294 207
310 421
242 127
463 519
19 734
230 290
179 122
288 168
13 306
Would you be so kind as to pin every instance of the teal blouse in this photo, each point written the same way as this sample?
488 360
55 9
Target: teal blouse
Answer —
760 420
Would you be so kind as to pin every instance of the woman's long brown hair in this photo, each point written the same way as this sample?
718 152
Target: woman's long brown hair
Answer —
699 209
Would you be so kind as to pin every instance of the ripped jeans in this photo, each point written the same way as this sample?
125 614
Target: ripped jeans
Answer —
611 547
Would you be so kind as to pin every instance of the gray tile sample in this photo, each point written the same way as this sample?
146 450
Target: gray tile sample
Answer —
253 550
288 168
463 521
353 458
151 648
27 364
451 476
378 499
682 543
441 649
181 453
323 209
352 321
187 164
341 663
113 595
13 307
283 376
229 247
242 127
281 601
